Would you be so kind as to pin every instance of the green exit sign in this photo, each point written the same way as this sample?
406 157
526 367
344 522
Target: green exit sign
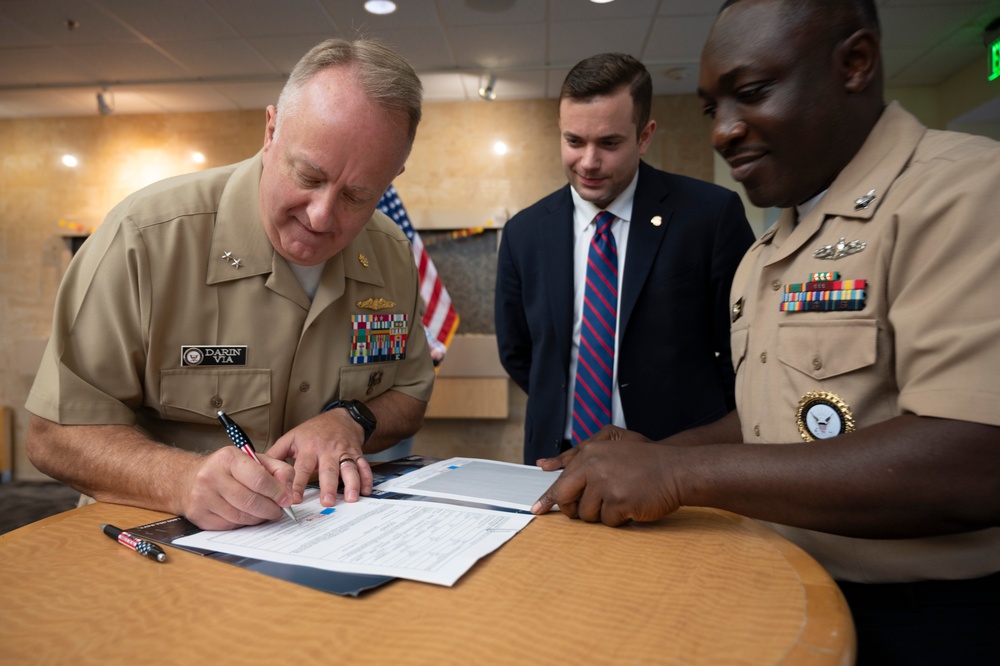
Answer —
995 60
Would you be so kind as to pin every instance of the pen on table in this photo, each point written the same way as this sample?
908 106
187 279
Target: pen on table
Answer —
144 548
243 443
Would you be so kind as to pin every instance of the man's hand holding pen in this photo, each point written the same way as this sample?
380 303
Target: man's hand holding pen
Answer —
228 489
330 444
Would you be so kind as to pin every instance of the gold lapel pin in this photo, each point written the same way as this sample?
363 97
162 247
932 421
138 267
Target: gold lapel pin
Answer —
363 260
656 221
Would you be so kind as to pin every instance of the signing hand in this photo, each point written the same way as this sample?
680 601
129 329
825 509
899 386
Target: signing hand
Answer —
228 489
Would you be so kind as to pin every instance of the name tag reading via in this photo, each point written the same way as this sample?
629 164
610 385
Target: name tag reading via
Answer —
194 355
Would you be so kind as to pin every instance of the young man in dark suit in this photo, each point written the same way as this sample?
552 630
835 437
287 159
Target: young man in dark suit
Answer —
676 244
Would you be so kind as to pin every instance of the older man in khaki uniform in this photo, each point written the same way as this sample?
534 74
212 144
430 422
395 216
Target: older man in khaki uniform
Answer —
269 289
864 337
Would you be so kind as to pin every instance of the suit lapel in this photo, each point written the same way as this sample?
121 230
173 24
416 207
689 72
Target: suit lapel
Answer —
644 239
556 241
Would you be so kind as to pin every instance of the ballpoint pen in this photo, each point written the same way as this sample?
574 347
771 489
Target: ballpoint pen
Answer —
243 443
144 548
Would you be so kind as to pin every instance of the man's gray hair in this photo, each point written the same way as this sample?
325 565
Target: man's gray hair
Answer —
386 78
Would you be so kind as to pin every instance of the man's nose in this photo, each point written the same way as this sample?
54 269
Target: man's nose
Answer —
320 211
590 158
726 128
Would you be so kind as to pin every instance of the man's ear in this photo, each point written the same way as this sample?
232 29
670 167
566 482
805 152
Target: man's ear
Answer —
859 59
270 122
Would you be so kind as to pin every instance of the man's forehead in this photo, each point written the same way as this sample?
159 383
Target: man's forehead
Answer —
753 39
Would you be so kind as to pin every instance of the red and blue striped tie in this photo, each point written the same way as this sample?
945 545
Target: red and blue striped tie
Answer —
594 370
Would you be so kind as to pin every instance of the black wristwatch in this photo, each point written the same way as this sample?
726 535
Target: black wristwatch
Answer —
359 412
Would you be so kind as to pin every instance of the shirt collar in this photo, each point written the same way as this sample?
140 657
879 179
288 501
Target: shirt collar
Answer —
238 229
803 208
621 207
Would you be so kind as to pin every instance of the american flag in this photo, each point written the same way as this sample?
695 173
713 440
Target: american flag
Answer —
440 318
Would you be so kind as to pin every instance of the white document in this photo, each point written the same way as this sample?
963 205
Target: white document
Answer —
491 482
426 541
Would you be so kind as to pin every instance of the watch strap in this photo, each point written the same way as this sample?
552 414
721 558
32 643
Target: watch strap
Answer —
367 423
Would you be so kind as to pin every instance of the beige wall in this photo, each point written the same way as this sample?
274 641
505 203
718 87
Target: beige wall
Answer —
452 174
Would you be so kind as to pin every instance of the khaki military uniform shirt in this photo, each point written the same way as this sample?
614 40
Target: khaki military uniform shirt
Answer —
185 264
924 204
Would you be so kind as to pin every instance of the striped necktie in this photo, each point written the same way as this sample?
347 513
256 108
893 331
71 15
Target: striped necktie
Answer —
594 370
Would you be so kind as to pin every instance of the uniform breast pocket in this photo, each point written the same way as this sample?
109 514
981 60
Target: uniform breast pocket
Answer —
196 395
366 381
825 350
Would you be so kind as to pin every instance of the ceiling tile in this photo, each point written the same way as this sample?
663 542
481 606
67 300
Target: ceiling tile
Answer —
925 27
574 10
12 35
933 68
498 45
219 58
47 21
33 66
461 12
255 18
690 8
677 38
574 41
121 61
174 20
424 49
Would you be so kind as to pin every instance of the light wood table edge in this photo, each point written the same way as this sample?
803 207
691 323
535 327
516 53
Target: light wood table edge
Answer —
831 629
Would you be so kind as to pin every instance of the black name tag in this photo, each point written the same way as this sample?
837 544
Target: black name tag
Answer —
193 355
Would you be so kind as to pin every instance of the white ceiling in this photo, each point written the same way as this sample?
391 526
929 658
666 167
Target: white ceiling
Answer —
212 55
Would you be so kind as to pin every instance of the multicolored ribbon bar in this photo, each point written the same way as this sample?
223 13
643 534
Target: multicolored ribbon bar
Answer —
824 292
378 337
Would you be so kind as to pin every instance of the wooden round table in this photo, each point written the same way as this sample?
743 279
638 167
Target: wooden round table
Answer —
699 587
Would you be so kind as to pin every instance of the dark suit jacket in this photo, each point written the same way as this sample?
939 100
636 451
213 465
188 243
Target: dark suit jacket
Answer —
674 366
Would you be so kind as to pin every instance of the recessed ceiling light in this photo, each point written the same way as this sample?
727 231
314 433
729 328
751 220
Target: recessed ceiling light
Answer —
380 6
601 2
70 160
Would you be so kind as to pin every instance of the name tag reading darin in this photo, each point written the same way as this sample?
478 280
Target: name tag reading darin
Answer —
192 355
